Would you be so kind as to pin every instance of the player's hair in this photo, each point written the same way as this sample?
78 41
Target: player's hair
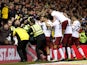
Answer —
52 8
50 17
32 20
76 16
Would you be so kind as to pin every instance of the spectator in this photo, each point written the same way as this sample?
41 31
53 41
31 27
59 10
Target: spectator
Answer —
12 11
4 34
5 12
83 37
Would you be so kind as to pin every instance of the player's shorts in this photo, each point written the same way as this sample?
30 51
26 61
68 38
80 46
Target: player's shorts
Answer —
67 39
64 24
57 40
75 41
48 41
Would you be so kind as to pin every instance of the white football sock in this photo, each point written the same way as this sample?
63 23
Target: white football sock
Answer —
61 53
48 57
63 49
81 51
55 54
50 53
73 52
69 52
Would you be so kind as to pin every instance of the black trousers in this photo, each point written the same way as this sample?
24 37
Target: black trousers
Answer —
21 49
40 45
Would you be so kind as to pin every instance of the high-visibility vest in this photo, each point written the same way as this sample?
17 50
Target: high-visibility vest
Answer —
22 33
37 30
26 27
5 12
83 37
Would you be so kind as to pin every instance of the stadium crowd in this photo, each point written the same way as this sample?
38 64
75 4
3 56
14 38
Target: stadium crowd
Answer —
16 16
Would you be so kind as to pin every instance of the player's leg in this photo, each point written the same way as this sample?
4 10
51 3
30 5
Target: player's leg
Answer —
48 42
69 46
64 44
79 48
73 52
55 49
60 48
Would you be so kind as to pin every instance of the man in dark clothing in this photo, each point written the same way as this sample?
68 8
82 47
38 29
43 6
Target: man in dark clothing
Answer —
23 38
39 38
12 11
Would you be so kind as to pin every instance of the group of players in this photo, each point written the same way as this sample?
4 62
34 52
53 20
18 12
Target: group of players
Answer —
61 33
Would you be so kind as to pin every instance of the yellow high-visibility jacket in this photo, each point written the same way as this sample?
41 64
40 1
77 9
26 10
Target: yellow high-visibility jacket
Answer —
5 12
22 33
